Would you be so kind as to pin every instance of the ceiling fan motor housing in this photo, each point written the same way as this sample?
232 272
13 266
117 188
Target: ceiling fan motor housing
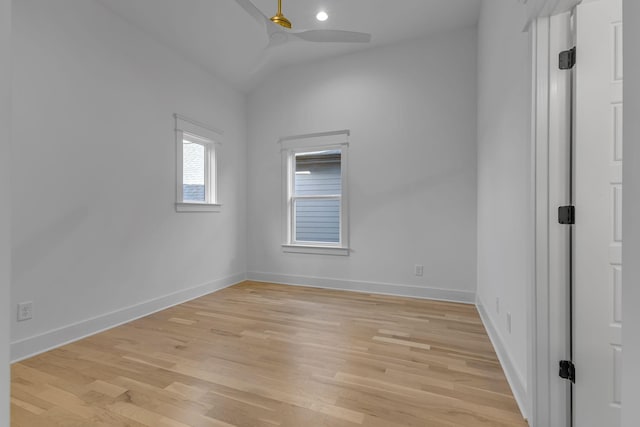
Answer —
280 19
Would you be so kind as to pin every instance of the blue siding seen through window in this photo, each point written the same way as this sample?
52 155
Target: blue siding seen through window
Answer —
317 220
193 193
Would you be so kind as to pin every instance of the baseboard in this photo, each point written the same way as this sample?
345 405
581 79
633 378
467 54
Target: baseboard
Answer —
366 287
31 346
517 383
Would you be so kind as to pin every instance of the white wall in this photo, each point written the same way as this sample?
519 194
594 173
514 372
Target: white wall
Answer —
505 209
631 215
5 197
94 225
411 109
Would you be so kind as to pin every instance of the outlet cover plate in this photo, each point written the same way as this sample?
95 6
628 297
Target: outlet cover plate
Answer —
25 311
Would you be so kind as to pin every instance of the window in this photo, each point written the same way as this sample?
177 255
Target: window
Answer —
315 193
196 166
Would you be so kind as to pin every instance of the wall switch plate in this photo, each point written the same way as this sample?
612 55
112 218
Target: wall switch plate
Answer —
509 322
419 270
25 311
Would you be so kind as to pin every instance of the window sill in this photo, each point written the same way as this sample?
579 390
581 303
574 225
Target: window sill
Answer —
317 250
197 207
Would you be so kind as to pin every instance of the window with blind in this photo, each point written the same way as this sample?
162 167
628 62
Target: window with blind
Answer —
196 169
316 220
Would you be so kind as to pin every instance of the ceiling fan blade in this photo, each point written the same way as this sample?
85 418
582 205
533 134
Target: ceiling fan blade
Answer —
260 63
332 36
252 10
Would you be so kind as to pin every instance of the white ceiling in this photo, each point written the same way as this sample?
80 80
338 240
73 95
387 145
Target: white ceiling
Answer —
226 41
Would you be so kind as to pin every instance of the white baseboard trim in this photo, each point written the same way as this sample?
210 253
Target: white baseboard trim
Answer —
366 287
31 346
517 383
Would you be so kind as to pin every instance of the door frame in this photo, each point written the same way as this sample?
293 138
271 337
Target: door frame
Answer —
550 396
5 207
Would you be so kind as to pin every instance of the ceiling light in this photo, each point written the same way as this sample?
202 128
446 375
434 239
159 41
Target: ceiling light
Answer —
322 16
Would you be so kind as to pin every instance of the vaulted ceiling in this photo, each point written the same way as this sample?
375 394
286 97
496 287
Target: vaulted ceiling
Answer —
221 37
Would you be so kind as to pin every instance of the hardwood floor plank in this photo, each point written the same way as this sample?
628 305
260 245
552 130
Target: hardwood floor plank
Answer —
267 355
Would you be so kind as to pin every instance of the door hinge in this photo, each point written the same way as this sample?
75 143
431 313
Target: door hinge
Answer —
567 215
567 59
567 370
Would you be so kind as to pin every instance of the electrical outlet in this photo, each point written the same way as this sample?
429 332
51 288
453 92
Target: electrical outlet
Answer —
498 305
25 311
419 270
509 322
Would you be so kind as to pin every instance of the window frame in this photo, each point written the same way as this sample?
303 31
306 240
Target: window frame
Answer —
209 138
290 146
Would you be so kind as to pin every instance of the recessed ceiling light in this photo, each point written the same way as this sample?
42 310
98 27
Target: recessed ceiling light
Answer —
322 16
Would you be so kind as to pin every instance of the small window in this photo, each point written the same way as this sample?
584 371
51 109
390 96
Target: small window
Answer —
196 167
315 194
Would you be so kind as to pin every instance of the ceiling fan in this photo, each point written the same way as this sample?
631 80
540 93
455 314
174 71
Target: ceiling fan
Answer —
279 29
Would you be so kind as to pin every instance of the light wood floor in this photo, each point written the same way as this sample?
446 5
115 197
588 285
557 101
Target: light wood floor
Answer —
263 355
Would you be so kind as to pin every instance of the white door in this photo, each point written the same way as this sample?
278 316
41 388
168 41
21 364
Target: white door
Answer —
598 200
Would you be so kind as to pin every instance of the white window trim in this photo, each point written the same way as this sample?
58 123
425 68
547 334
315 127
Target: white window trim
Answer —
210 138
304 143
